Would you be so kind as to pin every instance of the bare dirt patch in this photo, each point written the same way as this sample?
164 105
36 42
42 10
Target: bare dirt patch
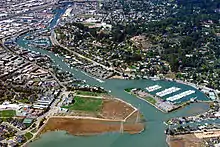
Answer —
89 127
111 109
141 42
109 118
115 109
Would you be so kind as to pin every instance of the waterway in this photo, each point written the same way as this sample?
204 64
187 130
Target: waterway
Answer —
153 136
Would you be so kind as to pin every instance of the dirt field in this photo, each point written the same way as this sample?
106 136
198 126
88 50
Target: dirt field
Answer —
115 109
111 109
188 140
112 113
89 127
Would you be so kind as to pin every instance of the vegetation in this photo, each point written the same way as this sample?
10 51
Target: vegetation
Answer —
151 100
25 100
28 135
85 104
180 37
7 113
128 89
34 131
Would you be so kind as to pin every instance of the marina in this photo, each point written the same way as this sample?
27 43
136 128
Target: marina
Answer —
167 91
153 88
181 95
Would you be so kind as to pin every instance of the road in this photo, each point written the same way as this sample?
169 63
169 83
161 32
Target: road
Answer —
86 117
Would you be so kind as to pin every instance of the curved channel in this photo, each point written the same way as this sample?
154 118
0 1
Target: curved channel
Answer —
153 136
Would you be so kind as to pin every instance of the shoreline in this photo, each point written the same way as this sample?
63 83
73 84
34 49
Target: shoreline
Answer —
97 79
146 101
116 77
121 77
80 125
136 96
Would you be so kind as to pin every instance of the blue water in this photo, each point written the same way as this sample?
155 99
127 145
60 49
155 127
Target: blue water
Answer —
58 13
168 84
153 136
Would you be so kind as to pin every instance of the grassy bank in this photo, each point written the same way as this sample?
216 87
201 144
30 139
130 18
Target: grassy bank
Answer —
7 113
85 104
151 100
28 135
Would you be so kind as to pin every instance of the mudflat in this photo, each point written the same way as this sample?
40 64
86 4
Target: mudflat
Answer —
90 127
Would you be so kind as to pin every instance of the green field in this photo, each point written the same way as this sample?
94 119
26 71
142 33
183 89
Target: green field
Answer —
85 104
25 100
151 100
28 135
7 113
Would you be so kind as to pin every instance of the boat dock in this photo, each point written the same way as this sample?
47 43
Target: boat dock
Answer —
181 95
153 88
167 91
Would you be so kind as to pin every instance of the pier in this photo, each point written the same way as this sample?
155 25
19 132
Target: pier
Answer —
153 88
181 95
167 91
